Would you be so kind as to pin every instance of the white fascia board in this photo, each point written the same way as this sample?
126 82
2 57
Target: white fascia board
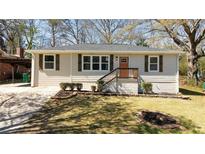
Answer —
102 52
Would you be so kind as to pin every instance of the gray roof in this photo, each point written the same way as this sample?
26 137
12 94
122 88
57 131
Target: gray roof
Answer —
104 47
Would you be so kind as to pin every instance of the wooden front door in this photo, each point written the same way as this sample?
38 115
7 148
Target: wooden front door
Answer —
124 62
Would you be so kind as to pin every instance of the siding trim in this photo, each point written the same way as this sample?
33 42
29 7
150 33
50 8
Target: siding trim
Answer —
33 70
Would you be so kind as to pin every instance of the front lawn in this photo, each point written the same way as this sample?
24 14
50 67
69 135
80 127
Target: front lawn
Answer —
114 114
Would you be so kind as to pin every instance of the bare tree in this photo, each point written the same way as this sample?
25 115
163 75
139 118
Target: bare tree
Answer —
188 35
107 29
54 29
73 31
9 33
29 30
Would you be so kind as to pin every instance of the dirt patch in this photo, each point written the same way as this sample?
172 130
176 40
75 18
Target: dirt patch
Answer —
64 94
160 120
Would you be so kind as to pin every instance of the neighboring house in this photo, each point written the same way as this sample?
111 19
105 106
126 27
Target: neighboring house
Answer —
121 67
12 64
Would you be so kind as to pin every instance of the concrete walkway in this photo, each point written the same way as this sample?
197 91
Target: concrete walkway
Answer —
18 102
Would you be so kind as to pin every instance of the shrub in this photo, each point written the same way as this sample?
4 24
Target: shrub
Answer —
147 87
63 86
79 86
93 88
71 86
100 85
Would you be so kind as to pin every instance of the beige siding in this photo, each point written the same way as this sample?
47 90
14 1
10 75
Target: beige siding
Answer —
84 76
166 81
124 86
162 81
53 77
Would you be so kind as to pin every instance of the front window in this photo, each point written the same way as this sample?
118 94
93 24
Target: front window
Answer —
96 63
153 63
86 62
104 62
49 62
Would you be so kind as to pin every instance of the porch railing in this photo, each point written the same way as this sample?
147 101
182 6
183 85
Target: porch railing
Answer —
120 73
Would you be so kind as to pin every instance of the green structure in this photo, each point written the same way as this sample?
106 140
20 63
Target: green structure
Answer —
26 77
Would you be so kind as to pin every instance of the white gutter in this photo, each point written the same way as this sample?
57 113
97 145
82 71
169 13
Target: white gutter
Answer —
105 51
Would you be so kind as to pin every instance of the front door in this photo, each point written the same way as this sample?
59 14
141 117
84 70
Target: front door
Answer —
124 62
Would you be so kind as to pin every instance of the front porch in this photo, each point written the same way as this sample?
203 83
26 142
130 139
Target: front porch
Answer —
121 80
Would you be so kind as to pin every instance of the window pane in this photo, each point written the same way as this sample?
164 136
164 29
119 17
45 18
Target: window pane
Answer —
153 59
86 66
49 58
104 66
96 67
49 65
153 67
86 58
96 59
105 59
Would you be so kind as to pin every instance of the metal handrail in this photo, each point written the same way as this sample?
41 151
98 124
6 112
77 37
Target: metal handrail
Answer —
108 73
116 75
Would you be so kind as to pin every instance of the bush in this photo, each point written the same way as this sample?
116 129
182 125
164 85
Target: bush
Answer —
100 84
79 86
71 86
147 87
63 86
93 88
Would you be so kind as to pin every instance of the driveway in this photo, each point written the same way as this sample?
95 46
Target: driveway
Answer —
19 101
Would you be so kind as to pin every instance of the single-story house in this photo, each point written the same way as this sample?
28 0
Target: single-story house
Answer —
121 67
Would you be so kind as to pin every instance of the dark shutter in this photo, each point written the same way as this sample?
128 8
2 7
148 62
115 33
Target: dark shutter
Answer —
79 62
40 61
160 63
146 63
111 62
57 62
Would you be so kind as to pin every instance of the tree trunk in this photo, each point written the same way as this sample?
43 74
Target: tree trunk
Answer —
53 44
193 69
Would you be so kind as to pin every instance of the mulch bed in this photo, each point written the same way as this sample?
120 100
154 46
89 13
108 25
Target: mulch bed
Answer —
69 94
64 94
160 120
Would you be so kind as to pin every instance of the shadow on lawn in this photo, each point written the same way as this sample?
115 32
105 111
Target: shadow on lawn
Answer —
190 92
83 114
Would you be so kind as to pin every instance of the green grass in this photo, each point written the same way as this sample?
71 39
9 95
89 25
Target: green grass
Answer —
105 114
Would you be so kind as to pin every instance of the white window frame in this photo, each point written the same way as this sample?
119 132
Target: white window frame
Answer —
83 62
104 62
91 63
54 62
99 63
154 63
